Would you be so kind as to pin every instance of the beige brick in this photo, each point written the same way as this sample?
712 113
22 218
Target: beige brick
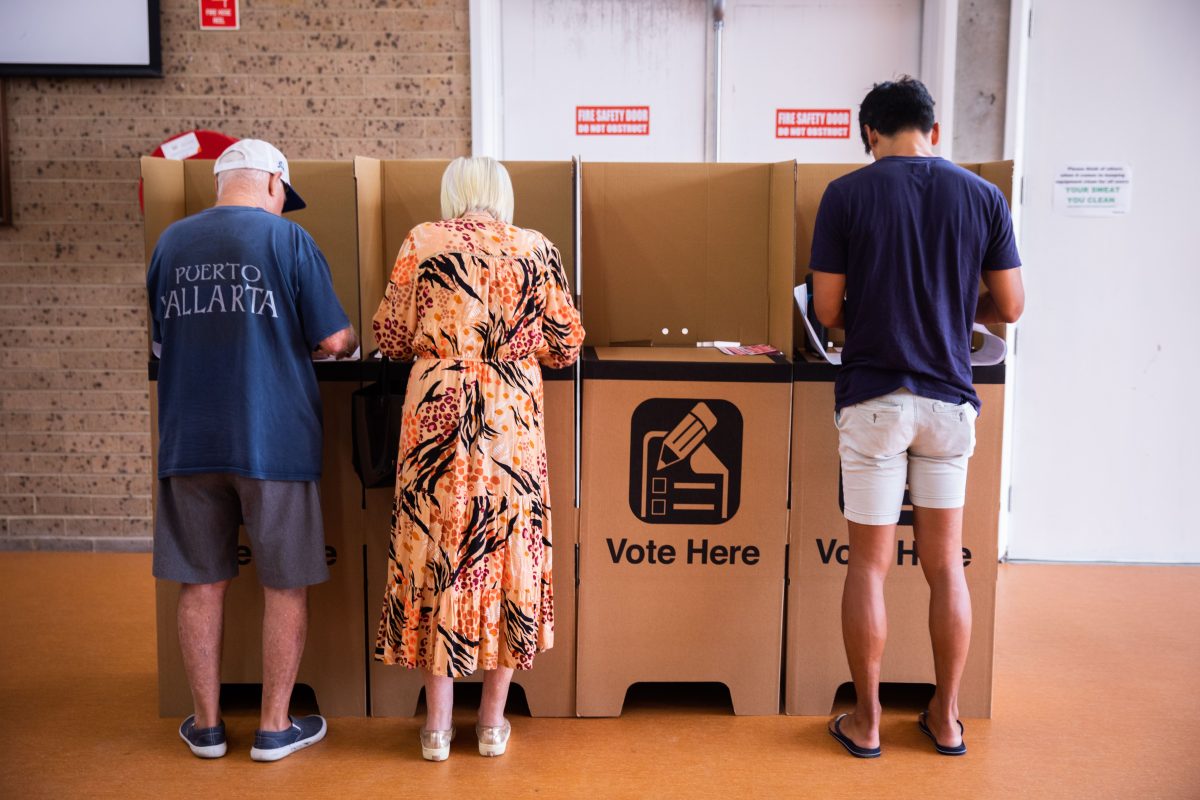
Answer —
333 107
128 506
132 359
74 401
63 505
418 42
35 526
108 296
11 505
83 338
77 421
448 128
395 128
33 484
22 358
432 64
371 148
71 168
110 380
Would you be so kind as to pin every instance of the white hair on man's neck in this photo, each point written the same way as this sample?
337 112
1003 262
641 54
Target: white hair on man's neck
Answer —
246 181
478 184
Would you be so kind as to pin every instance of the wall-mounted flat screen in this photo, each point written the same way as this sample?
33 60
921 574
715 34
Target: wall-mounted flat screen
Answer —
83 38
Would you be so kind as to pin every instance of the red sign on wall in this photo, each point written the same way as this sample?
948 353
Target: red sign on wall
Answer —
612 120
219 15
812 123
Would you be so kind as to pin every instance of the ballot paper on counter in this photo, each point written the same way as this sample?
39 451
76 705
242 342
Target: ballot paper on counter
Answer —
750 350
992 351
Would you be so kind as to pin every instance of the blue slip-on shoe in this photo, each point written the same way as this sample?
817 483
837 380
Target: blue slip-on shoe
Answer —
274 745
959 749
853 749
203 742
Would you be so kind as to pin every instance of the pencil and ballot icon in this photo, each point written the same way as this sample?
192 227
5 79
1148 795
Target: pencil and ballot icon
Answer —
686 464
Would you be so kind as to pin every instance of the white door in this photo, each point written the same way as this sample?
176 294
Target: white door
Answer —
610 80
1105 443
795 72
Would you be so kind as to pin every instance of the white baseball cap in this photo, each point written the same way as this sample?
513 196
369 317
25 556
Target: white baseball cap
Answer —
257 154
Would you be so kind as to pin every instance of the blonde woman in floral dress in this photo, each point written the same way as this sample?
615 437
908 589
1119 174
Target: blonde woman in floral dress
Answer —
480 305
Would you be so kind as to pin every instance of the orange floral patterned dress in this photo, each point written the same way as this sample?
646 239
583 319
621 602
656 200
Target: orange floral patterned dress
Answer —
478 303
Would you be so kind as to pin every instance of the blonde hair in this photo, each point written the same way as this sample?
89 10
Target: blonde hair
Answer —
480 183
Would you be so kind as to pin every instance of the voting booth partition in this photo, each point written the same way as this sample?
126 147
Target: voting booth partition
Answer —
393 197
815 662
333 660
684 468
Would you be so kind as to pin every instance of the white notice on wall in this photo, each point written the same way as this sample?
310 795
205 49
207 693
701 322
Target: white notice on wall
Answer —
181 147
1094 190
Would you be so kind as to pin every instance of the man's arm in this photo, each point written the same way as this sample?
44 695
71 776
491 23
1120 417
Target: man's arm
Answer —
338 345
1004 299
829 298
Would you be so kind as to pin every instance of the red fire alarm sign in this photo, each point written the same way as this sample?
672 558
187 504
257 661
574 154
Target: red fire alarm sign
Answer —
219 15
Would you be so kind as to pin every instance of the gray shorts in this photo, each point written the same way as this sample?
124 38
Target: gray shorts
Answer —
196 530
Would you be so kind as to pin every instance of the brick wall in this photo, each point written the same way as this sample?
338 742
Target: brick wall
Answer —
319 78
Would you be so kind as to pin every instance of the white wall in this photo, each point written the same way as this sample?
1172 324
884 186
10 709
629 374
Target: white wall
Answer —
1106 448
559 54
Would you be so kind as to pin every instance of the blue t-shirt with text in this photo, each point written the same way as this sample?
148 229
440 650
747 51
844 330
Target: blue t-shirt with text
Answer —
911 235
239 298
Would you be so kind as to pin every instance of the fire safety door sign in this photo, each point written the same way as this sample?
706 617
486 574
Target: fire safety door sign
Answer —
219 15
612 120
812 123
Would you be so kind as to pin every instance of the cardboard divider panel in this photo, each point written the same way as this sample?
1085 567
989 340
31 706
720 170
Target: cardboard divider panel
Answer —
683 520
333 660
683 504
702 247
393 197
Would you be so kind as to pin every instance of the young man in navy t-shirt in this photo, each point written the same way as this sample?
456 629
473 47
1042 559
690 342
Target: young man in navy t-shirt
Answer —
240 299
899 248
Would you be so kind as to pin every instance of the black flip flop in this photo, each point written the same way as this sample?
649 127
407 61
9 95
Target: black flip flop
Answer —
851 747
958 750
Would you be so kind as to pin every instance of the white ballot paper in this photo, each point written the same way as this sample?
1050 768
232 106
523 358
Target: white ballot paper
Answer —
992 351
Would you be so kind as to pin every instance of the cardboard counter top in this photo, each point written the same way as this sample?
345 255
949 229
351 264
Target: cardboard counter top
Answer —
683 518
808 368
681 364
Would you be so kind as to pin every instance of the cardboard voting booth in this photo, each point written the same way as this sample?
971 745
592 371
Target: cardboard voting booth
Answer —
393 197
684 457
333 659
816 662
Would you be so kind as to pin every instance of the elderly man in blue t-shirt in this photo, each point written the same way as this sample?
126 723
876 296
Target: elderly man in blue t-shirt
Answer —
898 251
240 299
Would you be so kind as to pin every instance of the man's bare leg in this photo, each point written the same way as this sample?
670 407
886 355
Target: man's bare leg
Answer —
285 626
201 620
864 624
939 548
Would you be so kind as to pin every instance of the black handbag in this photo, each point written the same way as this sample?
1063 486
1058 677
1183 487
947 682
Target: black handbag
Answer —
375 430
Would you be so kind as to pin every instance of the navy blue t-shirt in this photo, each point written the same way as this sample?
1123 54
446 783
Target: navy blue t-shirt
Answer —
239 298
911 235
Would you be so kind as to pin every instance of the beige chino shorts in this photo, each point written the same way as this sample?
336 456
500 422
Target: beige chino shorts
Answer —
899 439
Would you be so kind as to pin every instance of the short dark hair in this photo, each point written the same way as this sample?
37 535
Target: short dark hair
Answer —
894 106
